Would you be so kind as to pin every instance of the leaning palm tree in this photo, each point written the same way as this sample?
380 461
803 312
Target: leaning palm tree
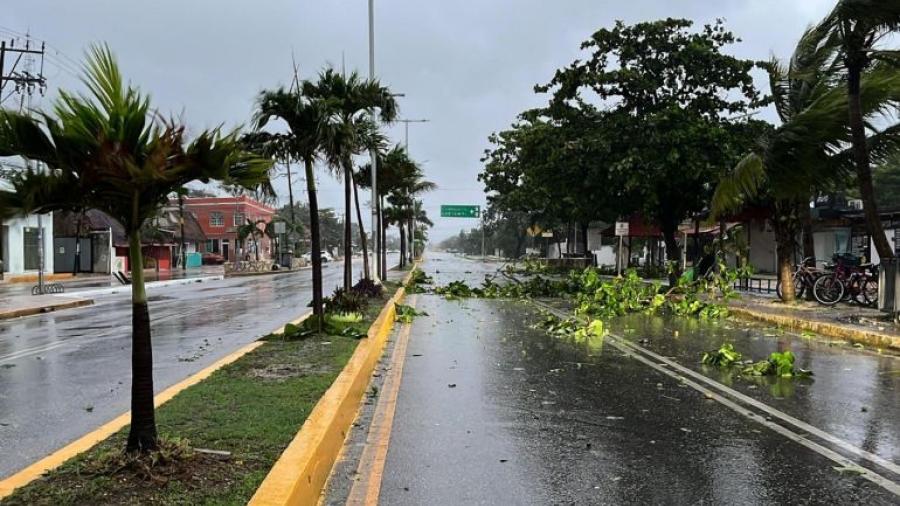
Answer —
852 33
108 145
349 102
253 231
303 115
806 152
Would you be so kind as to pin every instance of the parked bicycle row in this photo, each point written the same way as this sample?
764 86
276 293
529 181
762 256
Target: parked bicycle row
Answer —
846 278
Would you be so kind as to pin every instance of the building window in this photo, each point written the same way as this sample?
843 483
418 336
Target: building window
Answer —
216 219
239 219
31 245
212 246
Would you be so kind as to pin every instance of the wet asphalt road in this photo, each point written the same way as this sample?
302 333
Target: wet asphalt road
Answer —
492 411
64 373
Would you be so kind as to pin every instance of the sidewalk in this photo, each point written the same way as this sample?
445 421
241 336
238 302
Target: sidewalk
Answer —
88 281
851 322
14 307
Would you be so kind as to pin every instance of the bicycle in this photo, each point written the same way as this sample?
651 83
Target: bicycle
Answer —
848 280
805 276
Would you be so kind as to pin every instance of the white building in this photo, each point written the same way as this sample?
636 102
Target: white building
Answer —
20 238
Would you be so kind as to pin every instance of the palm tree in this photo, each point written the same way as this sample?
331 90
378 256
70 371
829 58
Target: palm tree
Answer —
107 144
303 115
806 152
349 103
851 33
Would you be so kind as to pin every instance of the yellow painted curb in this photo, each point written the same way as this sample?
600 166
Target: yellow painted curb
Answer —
29 311
867 337
86 442
301 472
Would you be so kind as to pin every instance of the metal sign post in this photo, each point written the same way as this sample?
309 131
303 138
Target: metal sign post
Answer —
621 232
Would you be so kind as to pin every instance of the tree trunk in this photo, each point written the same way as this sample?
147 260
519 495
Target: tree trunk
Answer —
348 237
384 226
785 240
411 241
315 239
863 169
402 243
362 233
142 435
673 253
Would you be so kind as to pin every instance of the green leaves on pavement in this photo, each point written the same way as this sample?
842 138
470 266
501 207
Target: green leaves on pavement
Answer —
779 364
406 314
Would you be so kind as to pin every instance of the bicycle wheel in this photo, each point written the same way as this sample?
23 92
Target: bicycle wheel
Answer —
828 290
870 292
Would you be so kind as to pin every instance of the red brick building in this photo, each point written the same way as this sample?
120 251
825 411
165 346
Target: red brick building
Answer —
220 218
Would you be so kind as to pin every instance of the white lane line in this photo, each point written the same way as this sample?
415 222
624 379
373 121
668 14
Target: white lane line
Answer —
31 351
665 366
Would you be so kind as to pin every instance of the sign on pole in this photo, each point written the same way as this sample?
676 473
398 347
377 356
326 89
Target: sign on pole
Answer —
280 227
547 234
621 228
621 231
460 211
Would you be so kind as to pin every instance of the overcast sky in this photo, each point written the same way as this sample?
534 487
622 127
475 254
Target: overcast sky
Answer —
468 66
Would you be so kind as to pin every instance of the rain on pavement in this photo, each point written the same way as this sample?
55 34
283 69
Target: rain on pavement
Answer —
493 411
62 374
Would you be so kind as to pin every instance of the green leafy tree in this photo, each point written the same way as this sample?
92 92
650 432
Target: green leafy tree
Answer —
108 145
669 93
855 33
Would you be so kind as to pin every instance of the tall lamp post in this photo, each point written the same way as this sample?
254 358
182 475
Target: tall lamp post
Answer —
376 239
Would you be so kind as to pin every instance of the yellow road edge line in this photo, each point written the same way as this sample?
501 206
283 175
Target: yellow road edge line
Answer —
301 472
88 441
367 489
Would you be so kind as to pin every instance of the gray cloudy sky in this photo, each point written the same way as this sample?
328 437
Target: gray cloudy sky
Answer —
467 65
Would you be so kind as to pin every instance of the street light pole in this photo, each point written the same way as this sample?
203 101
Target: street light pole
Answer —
376 233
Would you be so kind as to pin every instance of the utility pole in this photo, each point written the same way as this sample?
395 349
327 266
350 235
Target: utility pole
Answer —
25 82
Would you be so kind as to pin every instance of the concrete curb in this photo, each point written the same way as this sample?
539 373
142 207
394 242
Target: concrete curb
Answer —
88 441
149 286
867 337
301 472
46 308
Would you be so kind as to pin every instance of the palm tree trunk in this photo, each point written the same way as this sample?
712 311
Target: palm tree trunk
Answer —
362 233
863 168
181 223
785 239
348 246
383 227
402 243
316 241
142 435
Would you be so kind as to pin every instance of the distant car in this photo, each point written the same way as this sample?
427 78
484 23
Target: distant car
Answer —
212 259
326 257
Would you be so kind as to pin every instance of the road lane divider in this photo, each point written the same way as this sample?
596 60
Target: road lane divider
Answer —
741 404
300 474
88 441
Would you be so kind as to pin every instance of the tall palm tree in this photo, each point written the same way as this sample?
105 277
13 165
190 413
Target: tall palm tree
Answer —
303 115
852 33
107 145
349 102
807 151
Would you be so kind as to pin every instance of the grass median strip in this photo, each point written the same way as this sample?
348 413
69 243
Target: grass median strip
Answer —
221 436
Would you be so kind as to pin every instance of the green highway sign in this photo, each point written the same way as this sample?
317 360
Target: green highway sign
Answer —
460 211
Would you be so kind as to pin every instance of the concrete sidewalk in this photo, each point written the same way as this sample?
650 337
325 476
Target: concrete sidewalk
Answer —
14 307
845 321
